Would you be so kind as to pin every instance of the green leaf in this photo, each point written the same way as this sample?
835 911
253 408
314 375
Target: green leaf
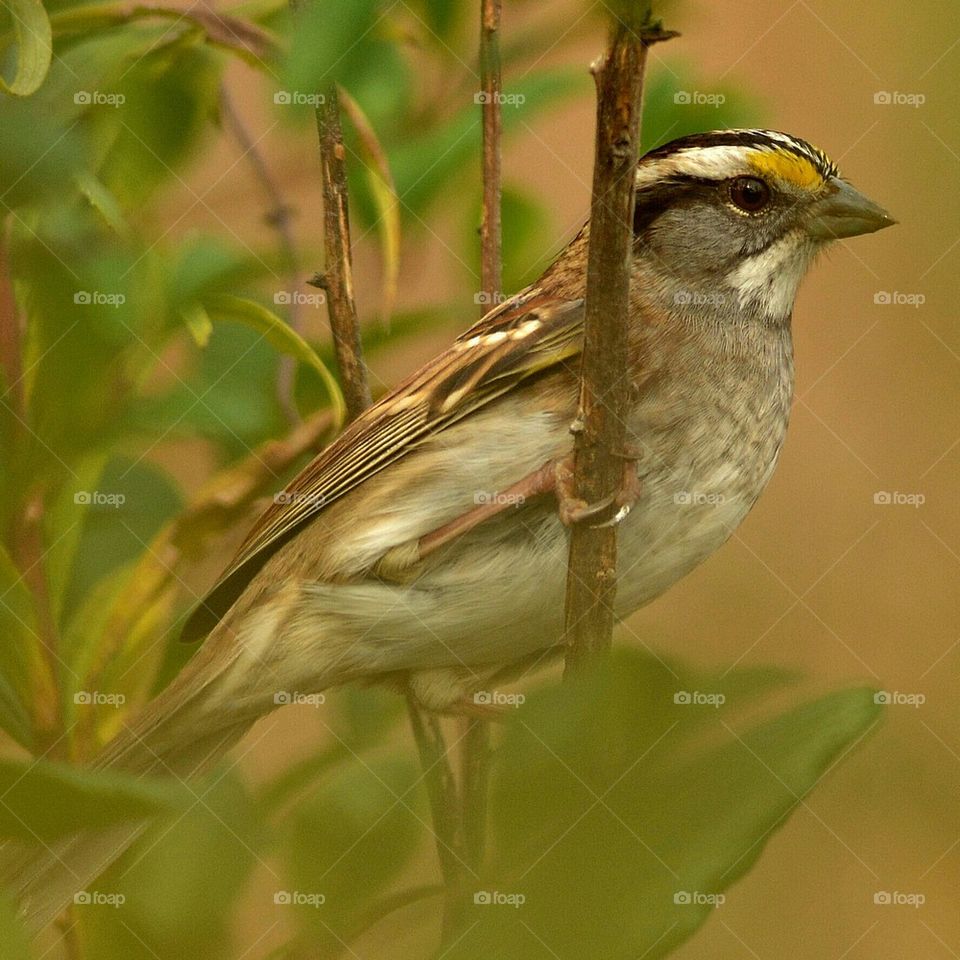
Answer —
19 650
198 323
14 943
349 841
35 47
43 800
181 879
283 337
612 799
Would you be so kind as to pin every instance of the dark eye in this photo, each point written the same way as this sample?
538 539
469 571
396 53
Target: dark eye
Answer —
750 194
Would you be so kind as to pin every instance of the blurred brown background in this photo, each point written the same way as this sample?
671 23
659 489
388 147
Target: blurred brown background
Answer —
820 578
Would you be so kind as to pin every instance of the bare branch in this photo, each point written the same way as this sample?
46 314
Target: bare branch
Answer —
337 281
605 386
490 83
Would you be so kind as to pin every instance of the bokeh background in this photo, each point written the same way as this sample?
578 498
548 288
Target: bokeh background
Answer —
847 569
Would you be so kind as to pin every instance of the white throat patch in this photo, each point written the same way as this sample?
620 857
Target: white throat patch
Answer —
768 281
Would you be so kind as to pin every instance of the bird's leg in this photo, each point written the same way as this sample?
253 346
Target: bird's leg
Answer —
556 477
574 510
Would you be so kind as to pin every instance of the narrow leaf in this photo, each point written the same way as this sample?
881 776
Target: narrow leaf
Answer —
35 47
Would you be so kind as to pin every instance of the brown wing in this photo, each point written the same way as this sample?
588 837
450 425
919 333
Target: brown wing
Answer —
522 337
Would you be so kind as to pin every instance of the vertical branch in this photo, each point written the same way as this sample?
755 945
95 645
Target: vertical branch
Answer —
600 434
490 230
337 279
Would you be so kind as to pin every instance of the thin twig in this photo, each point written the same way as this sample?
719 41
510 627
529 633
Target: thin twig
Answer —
278 217
600 427
490 84
337 281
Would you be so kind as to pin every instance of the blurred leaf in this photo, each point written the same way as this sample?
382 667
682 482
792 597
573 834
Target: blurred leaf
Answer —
198 323
131 501
283 337
20 659
35 47
329 42
180 880
104 202
43 800
621 794
14 943
349 841
678 101
423 165
384 192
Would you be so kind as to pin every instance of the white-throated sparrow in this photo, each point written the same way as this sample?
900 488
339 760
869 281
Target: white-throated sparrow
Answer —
424 544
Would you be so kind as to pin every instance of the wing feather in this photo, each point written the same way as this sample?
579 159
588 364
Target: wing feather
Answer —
518 339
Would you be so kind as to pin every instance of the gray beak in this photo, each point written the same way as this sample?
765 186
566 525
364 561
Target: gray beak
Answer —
844 212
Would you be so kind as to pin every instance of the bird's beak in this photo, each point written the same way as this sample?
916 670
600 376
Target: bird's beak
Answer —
845 212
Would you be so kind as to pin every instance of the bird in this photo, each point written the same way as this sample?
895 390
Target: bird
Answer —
427 545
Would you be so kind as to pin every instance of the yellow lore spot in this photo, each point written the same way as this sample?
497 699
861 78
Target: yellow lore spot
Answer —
786 165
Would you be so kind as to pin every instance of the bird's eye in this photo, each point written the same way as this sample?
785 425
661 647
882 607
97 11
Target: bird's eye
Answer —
749 194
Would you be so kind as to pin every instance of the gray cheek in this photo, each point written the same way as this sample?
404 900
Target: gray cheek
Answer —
696 241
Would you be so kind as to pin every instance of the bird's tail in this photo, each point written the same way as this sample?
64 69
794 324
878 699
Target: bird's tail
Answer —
181 733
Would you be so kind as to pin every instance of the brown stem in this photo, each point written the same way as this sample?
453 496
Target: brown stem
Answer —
337 281
278 217
490 85
600 427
